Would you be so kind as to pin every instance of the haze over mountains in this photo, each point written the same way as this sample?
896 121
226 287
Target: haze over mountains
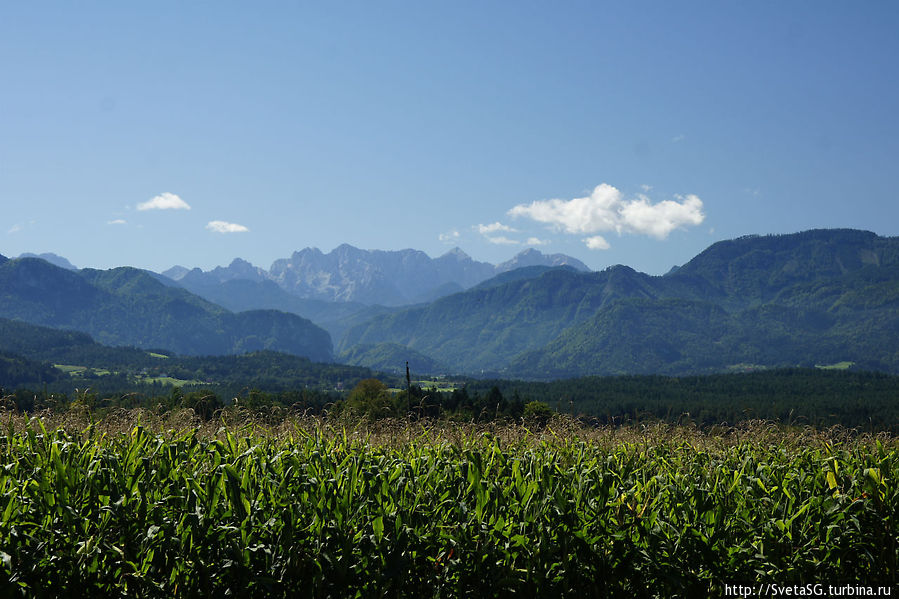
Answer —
813 298
372 277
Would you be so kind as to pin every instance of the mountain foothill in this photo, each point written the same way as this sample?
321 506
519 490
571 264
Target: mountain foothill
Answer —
814 298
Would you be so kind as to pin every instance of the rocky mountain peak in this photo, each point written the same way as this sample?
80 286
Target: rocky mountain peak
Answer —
457 254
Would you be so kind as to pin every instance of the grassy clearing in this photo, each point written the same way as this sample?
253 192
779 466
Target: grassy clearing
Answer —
81 371
146 504
837 366
70 369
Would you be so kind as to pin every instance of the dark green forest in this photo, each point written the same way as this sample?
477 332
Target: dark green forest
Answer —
862 400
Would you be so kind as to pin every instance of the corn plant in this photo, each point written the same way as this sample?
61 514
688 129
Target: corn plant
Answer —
329 514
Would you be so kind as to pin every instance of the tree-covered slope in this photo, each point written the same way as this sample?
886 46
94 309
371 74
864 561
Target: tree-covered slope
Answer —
27 353
810 298
241 295
756 269
127 306
483 328
390 357
16 370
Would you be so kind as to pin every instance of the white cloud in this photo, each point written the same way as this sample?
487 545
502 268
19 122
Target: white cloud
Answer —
658 220
220 226
118 221
678 138
605 209
536 241
164 201
449 237
19 227
646 188
597 242
494 228
500 240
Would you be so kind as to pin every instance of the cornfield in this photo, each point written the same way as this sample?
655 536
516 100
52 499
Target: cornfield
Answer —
321 511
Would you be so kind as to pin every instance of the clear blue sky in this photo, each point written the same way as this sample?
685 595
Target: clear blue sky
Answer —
635 132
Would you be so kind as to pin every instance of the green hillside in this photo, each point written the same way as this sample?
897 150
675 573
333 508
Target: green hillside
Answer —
810 298
127 306
390 357
28 354
483 329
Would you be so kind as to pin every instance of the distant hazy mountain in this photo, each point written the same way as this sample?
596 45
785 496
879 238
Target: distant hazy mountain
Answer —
532 257
810 298
52 259
370 277
176 273
375 277
127 306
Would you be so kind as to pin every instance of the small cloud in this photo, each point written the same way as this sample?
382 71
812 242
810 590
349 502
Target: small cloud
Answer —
606 209
597 242
678 138
449 237
536 241
500 240
220 226
164 201
494 228
118 221
646 188
15 228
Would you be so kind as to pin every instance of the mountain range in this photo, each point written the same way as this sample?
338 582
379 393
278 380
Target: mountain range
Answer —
821 297
813 298
128 306
369 277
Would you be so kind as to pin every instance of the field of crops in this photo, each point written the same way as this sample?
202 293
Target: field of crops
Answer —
313 509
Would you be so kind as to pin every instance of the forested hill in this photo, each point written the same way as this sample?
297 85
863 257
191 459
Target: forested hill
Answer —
792 269
818 297
127 306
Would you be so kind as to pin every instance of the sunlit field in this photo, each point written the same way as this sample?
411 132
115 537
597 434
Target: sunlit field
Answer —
148 505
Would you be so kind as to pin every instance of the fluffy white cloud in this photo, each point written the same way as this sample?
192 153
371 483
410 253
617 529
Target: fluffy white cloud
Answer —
220 226
494 228
501 240
118 221
536 241
449 237
658 220
597 242
164 201
605 209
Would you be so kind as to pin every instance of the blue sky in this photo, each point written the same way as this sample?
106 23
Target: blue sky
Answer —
638 133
